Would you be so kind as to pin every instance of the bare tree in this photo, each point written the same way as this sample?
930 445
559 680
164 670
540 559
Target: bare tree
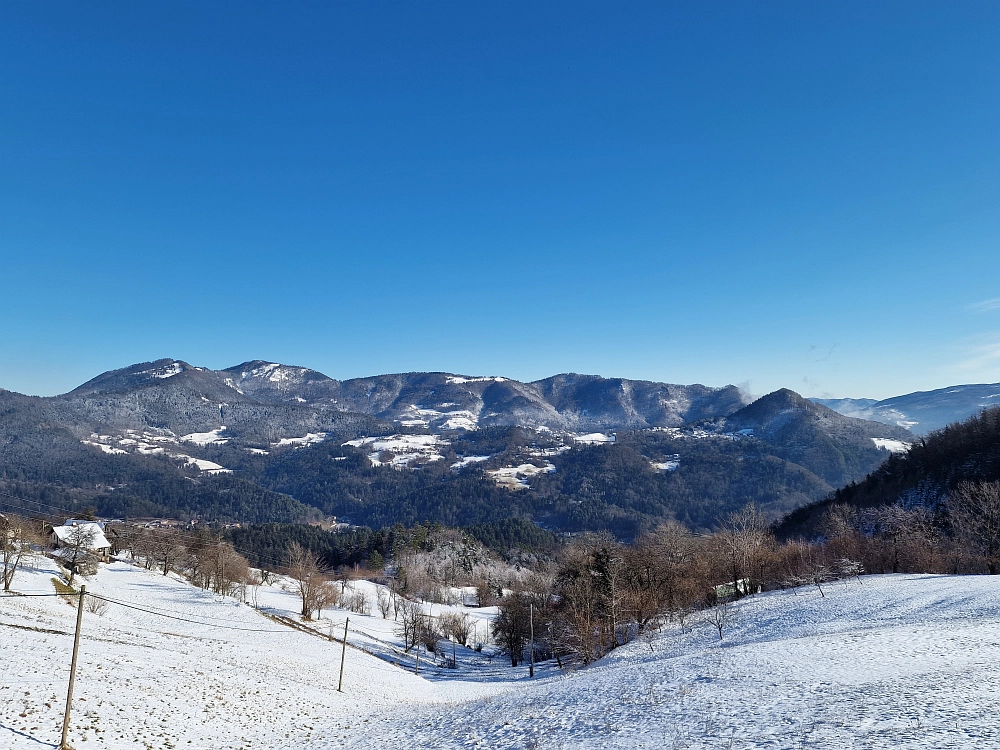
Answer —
16 537
511 627
141 548
166 550
616 597
411 622
355 600
384 602
580 625
326 596
458 626
79 549
665 573
722 615
975 510
305 568
122 537
907 536
745 540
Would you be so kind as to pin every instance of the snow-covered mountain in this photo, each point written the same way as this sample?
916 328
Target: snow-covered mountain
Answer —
626 452
923 411
436 400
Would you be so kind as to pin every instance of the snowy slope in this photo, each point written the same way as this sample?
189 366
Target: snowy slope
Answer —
898 661
895 661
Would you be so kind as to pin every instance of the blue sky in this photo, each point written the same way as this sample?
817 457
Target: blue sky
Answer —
772 194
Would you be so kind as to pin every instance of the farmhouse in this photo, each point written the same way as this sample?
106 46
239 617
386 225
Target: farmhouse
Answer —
87 534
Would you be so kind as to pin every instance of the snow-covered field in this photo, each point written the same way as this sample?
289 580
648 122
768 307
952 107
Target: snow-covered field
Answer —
893 662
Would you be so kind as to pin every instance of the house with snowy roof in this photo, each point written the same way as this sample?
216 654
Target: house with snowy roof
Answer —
89 533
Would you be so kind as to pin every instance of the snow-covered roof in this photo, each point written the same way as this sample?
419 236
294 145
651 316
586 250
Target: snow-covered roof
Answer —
97 540
82 521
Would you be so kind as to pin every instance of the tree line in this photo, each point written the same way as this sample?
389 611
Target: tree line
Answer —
602 594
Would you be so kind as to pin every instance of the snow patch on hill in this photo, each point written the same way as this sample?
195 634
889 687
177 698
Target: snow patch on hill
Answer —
209 467
594 438
515 477
420 416
165 372
309 438
214 437
458 380
665 465
467 460
400 451
893 446
104 447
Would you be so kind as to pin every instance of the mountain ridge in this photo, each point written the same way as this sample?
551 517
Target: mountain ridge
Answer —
433 399
921 412
262 441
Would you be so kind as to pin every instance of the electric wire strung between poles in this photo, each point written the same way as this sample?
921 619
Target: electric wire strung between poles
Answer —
22 596
302 628
82 594
192 537
184 619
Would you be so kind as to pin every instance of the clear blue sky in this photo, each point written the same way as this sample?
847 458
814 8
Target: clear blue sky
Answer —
796 194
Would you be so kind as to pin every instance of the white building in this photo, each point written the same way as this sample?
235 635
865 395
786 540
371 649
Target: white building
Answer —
93 536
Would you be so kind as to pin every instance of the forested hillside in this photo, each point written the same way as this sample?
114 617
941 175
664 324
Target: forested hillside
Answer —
924 477
262 443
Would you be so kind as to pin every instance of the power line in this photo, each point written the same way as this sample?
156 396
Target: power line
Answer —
184 619
22 596
162 609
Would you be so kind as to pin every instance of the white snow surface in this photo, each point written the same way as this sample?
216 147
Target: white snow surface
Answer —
419 416
460 420
594 438
133 441
516 477
893 446
907 661
466 460
209 467
165 372
214 437
105 448
405 449
299 442
458 380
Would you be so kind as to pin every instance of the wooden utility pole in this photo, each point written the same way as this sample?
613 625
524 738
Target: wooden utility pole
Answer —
343 655
64 743
531 648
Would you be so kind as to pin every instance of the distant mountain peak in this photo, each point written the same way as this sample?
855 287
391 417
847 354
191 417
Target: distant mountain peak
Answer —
134 376
432 400
768 407
923 411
